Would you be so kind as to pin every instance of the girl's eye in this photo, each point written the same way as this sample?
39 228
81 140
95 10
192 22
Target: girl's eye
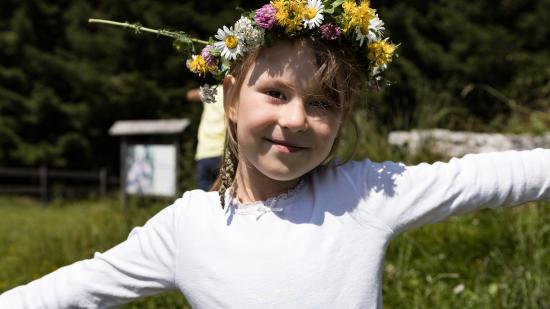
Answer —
276 94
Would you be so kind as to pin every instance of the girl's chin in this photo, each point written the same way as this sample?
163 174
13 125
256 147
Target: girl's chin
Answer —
284 174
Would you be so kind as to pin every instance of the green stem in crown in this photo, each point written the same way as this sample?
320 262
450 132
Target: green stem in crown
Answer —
177 35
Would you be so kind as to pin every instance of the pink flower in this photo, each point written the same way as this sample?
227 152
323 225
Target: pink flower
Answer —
265 16
330 32
208 57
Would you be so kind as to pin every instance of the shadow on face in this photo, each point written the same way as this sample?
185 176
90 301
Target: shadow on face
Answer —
291 59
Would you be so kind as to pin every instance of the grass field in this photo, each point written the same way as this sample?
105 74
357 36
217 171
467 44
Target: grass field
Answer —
490 259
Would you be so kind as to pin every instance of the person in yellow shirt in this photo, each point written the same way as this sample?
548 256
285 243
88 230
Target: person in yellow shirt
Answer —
211 139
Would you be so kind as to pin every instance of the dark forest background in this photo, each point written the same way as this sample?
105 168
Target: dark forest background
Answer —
463 65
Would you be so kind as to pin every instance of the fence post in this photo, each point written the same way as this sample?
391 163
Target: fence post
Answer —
44 184
177 190
123 154
102 182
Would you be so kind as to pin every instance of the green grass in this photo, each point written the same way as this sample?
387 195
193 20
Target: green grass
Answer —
35 240
500 257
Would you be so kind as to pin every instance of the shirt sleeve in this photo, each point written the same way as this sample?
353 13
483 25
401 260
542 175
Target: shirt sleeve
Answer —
140 266
406 197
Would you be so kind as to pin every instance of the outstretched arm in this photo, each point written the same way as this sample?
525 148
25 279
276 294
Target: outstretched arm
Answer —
140 266
428 193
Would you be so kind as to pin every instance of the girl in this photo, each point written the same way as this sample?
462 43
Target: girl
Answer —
286 226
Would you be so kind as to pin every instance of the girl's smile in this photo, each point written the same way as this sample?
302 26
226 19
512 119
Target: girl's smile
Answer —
285 146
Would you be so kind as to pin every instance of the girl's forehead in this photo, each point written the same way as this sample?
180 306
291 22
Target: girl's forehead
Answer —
293 61
287 51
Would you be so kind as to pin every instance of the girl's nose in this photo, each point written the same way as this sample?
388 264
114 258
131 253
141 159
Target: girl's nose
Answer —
293 116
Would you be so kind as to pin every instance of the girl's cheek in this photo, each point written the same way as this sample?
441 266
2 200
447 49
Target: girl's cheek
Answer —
327 119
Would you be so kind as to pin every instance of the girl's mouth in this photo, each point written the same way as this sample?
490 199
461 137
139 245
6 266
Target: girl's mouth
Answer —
285 147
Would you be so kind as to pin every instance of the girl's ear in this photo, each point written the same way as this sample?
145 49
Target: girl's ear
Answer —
229 97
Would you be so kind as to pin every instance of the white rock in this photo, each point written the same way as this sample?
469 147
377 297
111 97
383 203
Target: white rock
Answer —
458 143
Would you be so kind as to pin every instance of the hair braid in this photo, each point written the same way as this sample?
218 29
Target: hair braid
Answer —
227 173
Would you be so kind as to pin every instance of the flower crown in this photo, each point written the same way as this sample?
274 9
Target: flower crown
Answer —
340 21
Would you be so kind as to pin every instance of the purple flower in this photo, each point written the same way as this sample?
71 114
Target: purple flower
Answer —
265 16
374 84
373 87
330 32
208 57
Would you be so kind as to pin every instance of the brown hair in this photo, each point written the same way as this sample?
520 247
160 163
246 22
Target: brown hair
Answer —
341 76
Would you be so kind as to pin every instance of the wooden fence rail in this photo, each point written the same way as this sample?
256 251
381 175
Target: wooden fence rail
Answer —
43 177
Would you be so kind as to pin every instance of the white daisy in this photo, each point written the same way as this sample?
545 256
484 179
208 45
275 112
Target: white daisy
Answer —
376 27
313 14
229 45
360 36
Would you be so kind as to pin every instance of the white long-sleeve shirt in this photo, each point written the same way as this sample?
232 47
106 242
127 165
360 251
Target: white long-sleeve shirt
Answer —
320 246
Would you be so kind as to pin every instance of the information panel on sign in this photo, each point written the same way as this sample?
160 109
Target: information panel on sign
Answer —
151 170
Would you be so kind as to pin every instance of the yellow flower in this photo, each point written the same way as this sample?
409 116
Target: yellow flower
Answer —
381 52
197 65
290 14
310 13
357 15
231 41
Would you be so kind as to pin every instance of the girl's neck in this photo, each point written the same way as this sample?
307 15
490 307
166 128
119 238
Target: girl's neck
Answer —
251 187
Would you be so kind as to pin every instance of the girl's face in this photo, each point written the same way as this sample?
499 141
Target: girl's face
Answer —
285 128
